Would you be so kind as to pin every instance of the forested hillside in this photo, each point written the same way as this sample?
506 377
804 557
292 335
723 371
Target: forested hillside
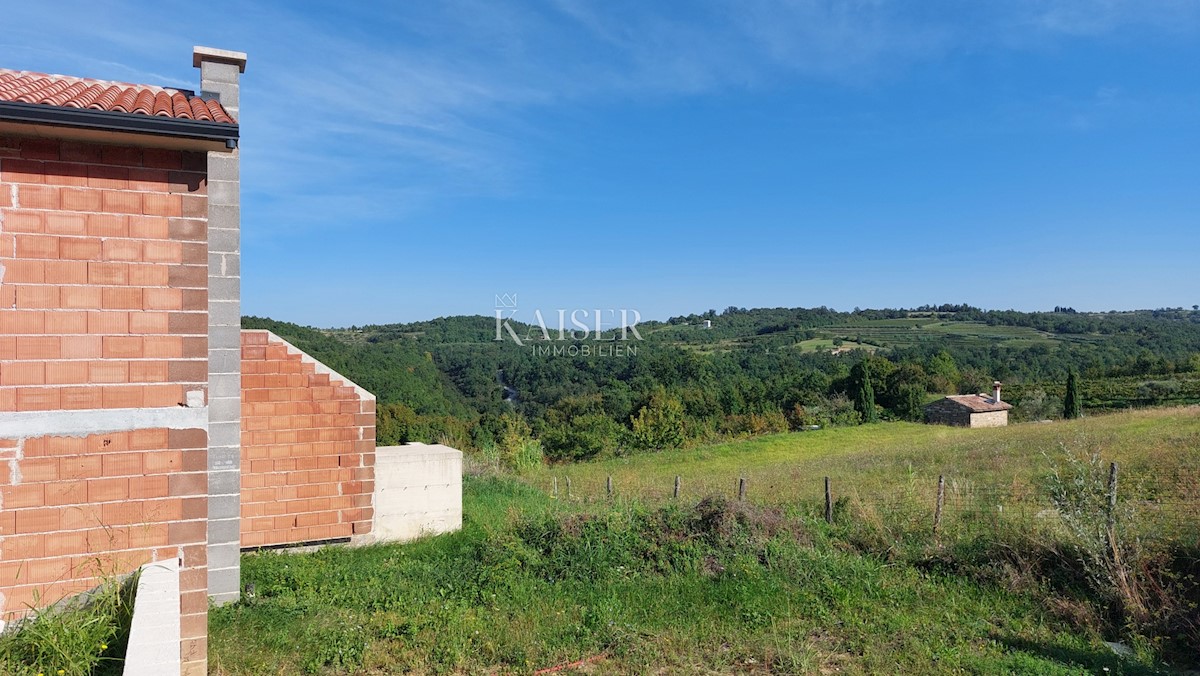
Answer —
743 372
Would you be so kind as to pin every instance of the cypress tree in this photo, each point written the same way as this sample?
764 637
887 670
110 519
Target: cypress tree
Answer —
1072 405
864 394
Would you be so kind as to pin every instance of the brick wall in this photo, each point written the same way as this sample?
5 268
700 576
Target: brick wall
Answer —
308 447
103 331
103 295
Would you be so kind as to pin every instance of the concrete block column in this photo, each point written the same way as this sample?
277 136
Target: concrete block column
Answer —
219 74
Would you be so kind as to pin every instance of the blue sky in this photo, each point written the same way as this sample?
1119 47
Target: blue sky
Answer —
408 160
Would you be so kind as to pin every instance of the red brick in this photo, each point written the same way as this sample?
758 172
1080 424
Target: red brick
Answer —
108 273
145 487
148 439
108 372
161 158
121 155
66 372
22 171
148 179
162 299
149 322
122 464
37 399
108 225
148 228
26 271
66 224
82 347
80 248
36 520
37 246
77 398
66 322
123 513
166 252
164 462
148 372
190 484
8 349
38 347
80 297
112 178
162 346
121 298
66 272
66 493
148 275
123 397
105 490
23 373
108 322
65 174
186 532
80 199
80 467
39 149
121 202
121 250
25 221
38 196
37 297
156 204
87 153
193 229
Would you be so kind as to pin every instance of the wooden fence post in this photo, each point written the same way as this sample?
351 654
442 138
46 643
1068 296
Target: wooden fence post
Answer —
941 499
675 495
742 489
609 485
1112 512
555 487
568 487
828 503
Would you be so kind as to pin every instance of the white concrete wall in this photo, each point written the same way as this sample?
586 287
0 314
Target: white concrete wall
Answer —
418 491
154 635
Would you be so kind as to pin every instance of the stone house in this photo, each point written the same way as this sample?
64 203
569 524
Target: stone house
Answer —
970 410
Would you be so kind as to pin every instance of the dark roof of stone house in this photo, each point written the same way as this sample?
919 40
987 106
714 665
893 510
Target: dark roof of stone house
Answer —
976 403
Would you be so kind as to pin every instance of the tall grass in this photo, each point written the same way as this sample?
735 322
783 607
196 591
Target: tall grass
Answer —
709 586
85 635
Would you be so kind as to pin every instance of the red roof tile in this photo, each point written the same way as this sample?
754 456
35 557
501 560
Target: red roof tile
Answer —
118 97
979 403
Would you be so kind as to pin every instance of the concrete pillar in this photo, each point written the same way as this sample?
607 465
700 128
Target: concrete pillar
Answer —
219 73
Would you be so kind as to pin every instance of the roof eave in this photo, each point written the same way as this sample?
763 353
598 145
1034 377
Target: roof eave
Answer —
102 125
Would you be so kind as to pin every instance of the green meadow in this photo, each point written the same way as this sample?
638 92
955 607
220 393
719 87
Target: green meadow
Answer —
640 582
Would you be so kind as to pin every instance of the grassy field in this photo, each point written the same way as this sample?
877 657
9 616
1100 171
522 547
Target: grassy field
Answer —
644 584
899 463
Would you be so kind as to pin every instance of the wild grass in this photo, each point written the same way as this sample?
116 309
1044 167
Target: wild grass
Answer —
641 583
85 635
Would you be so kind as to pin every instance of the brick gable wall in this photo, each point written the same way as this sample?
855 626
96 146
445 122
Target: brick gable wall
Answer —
308 448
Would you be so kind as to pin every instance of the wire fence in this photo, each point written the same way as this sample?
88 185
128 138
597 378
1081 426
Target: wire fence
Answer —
1152 502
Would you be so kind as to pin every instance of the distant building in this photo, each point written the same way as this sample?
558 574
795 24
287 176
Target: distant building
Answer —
970 410
708 323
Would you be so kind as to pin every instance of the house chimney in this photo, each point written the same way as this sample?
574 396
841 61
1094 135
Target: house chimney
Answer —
219 74
996 392
219 71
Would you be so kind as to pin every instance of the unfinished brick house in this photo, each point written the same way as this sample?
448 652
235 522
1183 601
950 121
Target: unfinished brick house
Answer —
138 423
970 410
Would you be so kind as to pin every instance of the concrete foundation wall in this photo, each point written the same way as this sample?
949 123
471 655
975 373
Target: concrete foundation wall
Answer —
418 491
